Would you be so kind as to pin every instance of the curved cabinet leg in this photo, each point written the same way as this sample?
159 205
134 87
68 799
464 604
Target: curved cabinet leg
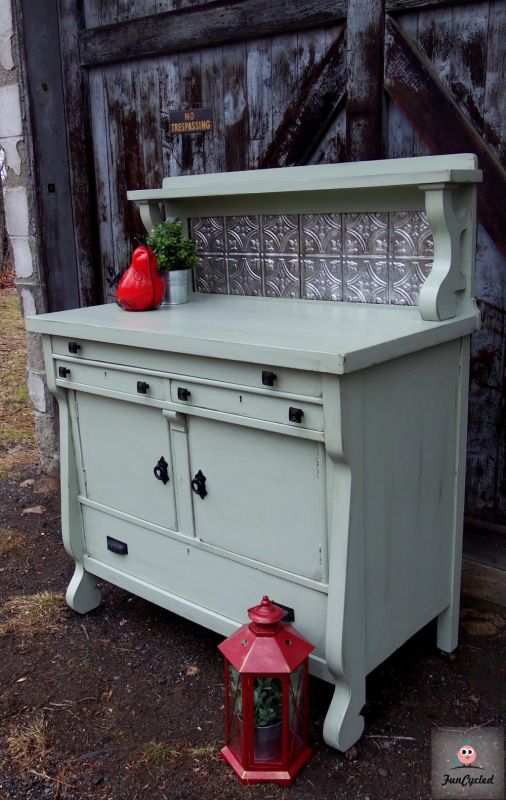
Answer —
448 628
82 593
344 724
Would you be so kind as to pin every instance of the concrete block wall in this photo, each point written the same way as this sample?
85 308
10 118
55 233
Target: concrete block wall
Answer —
20 212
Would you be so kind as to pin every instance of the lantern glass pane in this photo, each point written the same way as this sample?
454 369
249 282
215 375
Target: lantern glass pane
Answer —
297 710
268 708
234 705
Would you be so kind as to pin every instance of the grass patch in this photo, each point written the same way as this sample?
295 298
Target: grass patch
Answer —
158 752
204 751
11 540
28 743
30 615
17 432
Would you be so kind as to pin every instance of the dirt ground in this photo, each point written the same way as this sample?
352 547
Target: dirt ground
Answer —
127 702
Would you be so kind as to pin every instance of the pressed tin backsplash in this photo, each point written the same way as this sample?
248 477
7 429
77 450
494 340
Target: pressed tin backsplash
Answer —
361 257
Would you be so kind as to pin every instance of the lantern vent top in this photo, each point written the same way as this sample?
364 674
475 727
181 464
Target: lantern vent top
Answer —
265 616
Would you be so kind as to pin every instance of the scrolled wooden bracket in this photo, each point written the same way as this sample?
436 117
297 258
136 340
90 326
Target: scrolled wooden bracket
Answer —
150 213
443 291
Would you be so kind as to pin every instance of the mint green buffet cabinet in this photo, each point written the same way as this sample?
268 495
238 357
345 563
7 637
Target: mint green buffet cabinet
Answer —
308 449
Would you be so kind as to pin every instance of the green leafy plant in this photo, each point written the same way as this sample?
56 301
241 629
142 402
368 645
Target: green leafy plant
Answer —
267 699
172 248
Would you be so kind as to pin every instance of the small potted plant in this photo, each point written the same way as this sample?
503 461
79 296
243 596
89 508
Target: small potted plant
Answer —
267 700
176 255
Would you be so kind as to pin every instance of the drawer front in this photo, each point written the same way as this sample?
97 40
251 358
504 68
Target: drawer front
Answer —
134 383
215 583
235 401
292 381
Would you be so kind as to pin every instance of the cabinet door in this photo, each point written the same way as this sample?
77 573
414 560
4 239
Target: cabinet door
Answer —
121 443
265 495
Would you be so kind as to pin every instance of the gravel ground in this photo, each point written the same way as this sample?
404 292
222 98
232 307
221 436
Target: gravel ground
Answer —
129 698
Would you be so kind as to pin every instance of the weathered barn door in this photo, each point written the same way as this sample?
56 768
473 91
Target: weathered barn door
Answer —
297 82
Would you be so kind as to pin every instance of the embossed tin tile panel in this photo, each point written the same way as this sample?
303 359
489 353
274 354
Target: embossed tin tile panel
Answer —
322 278
365 280
410 235
282 277
406 278
321 234
245 275
280 234
211 275
208 234
242 234
359 257
365 234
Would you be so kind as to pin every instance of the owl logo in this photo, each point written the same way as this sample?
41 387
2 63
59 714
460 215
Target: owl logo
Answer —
466 755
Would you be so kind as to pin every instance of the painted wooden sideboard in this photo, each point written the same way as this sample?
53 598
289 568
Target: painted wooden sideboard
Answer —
313 451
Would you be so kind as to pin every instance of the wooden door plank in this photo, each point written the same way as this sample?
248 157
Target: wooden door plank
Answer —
396 6
100 134
235 107
494 110
80 159
259 83
416 89
170 100
52 180
364 86
401 140
212 97
284 82
469 59
192 145
193 28
309 117
150 123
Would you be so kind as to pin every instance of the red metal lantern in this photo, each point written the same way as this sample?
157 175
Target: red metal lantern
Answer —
266 698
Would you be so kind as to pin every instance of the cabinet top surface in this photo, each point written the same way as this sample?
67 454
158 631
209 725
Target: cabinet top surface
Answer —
322 336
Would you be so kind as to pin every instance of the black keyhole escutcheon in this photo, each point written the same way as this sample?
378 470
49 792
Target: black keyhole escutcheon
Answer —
199 484
161 471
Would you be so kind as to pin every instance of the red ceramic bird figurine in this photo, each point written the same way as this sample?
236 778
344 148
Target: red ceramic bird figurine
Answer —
141 288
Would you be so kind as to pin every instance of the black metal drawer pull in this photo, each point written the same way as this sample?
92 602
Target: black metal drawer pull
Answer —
183 394
199 484
63 372
295 414
115 546
268 378
142 387
74 347
161 471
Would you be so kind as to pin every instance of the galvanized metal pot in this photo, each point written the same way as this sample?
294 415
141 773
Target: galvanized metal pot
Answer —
177 286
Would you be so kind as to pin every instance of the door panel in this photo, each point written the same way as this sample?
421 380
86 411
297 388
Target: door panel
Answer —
265 495
121 443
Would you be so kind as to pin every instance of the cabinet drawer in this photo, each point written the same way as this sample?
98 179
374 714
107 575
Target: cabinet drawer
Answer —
243 403
107 377
292 381
216 584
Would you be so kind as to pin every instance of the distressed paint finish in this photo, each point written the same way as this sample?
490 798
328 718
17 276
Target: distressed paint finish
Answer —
221 23
299 119
364 89
306 121
310 505
468 53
